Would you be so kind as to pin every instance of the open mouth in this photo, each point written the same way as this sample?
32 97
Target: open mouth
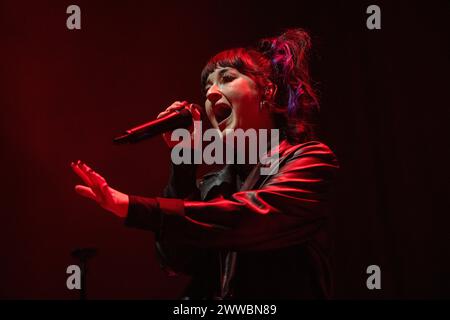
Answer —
222 112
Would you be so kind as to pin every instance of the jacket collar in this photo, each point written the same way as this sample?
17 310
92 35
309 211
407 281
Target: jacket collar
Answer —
227 176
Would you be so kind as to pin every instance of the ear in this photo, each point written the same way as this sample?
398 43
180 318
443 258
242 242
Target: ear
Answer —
270 91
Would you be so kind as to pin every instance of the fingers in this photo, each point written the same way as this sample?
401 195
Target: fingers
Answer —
95 182
78 169
196 116
195 111
162 114
85 192
177 105
94 177
99 185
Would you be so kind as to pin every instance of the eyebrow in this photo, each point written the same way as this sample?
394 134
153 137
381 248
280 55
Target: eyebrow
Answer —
221 72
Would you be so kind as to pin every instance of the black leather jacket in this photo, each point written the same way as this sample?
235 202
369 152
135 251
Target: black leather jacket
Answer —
246 235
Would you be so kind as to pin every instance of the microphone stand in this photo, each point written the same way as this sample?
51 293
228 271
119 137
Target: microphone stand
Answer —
83 255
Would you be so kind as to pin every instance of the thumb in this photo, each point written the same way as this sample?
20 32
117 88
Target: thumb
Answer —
85 192
196 115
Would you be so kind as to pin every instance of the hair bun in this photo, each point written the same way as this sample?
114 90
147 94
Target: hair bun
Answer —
265 46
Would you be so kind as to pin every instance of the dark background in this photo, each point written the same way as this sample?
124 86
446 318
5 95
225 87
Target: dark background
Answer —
66 93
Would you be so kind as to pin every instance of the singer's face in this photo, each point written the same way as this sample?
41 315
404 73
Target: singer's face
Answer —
232 101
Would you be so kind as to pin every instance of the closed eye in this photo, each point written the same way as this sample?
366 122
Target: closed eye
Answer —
228 78
224 79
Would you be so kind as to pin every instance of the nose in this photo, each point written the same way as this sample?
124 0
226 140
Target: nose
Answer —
213 94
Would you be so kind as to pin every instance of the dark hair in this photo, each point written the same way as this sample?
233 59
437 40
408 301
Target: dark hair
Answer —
283 61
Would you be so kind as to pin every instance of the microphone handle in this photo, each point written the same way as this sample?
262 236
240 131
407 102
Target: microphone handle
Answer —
178 119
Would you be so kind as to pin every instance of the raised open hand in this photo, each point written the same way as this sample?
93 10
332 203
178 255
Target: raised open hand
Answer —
98 190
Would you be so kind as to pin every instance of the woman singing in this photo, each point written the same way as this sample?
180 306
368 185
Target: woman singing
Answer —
238 233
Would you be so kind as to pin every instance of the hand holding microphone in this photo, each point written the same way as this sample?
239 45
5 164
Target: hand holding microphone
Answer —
178 115
176 106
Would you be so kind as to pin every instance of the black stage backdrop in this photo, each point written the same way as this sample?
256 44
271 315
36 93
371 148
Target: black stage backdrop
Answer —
66 93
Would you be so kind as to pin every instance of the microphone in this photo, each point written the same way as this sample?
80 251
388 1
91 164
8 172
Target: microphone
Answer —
174 120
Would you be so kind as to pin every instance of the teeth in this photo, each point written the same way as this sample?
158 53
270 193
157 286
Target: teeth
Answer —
222 112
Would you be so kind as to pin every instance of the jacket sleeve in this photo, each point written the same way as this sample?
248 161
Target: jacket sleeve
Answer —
289 208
